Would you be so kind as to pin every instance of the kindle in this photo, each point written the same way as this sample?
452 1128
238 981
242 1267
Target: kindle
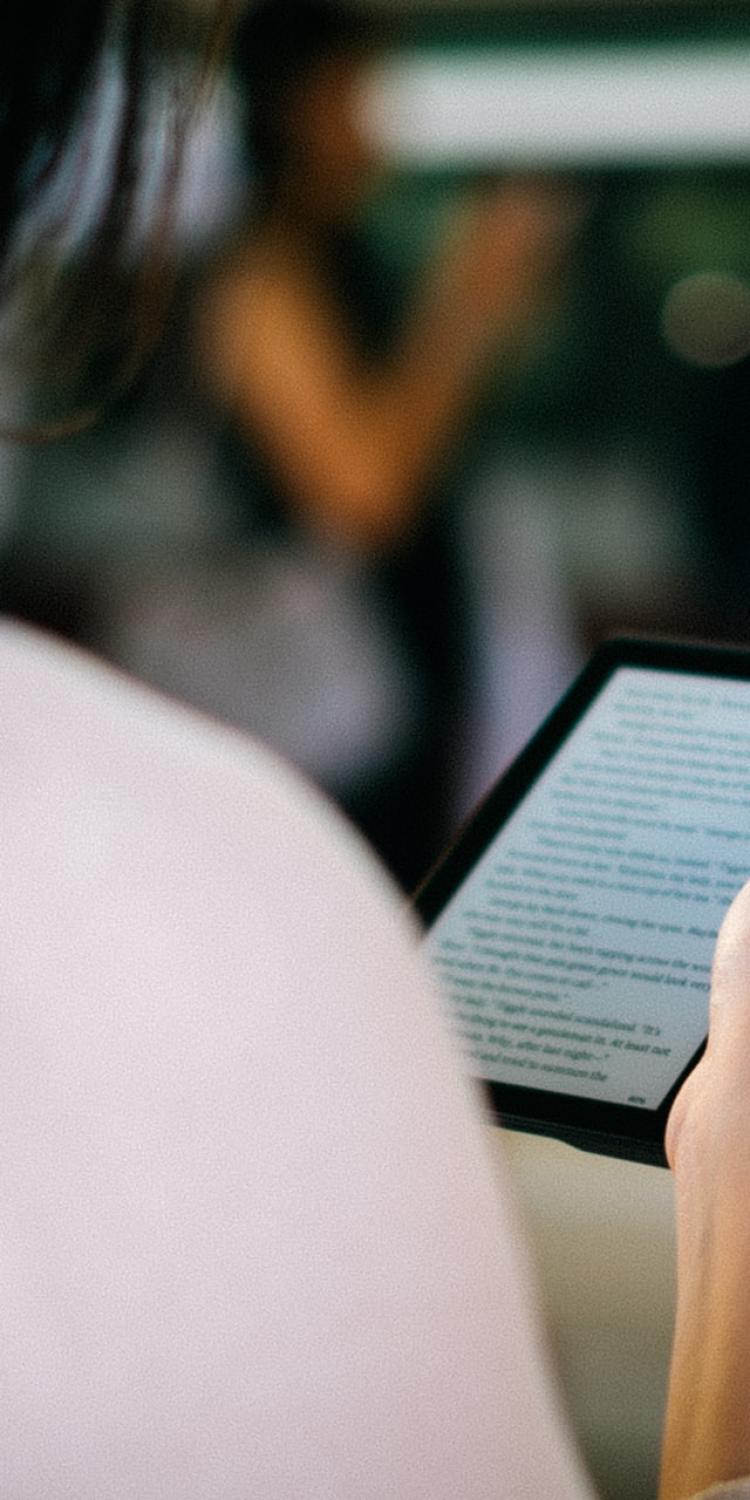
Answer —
573 921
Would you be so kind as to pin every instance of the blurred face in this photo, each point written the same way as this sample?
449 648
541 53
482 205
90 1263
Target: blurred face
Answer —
326 133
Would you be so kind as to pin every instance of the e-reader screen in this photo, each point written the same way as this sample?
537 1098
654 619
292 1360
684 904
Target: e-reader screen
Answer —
575 952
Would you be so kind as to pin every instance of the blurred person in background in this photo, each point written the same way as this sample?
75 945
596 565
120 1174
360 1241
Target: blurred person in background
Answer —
347 395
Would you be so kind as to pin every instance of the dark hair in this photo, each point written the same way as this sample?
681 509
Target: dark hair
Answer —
279 44
51 66
44 70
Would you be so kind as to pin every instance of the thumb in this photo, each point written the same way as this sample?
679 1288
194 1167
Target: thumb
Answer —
723 1072
730 978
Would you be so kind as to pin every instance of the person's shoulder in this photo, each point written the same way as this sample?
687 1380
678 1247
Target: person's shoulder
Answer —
253 306
164 874
86 746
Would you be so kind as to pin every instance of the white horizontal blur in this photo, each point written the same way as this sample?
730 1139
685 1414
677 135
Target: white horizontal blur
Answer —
564 106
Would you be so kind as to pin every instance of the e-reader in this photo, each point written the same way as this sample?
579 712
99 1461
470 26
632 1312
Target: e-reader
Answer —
573 921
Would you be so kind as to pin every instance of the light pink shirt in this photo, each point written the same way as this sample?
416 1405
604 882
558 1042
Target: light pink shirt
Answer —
252 1245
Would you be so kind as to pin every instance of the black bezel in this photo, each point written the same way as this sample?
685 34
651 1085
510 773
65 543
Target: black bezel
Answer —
611 1129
